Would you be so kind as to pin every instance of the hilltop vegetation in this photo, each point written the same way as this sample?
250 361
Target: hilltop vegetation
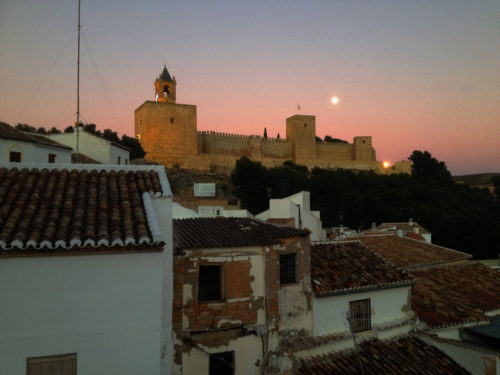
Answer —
459 217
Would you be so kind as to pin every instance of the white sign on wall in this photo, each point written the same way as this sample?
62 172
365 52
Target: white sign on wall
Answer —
204 190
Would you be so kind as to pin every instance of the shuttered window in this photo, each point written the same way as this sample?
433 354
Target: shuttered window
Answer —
64 364
360 315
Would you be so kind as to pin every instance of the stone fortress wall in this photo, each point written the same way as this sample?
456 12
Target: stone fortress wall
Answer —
168 133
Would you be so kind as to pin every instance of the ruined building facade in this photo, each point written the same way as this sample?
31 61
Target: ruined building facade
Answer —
169 134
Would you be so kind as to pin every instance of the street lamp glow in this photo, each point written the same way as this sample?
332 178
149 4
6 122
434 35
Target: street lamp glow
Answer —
386 164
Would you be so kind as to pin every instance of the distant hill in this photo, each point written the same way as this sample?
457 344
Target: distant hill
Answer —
476 180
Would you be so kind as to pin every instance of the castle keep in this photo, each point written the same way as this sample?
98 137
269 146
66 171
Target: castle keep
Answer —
168 133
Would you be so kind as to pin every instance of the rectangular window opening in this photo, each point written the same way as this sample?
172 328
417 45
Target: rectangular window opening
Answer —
118 160
52 158
210 283
15 156
288 268
222 363
64 364
171 120
360 315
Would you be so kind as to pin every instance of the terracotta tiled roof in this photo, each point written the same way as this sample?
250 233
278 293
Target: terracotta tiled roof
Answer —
406 252
345 267
200 233
408 355
455 294
86 207
9 132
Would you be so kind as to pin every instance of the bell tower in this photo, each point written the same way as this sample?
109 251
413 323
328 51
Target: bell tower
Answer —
165 87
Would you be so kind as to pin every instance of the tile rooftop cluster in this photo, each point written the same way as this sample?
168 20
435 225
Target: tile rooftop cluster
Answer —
408 355
9 132
289 221
455 294
406 252
57 209
407 227
337 268
198 233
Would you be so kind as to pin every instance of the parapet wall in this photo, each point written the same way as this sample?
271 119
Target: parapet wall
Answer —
336 151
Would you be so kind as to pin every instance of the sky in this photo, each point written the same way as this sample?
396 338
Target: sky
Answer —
414 75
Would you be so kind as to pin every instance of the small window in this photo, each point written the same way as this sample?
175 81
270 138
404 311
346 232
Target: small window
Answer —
118 160
52 158
126 161
305 125
360 315
171 120
288 268
221 363
210 283
15 156
52 365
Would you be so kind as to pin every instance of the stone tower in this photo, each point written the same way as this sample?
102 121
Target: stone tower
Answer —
165 87
167 130
301 132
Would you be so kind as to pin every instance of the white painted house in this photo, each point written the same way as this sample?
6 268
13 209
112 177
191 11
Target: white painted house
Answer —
298 207
26 147
98 148
88 288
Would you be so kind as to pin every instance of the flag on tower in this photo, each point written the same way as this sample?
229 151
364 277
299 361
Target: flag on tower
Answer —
298 106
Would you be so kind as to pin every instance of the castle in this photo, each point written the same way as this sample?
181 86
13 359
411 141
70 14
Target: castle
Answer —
168 133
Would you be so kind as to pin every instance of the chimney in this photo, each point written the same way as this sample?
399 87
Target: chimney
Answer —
410 222
374 225
416 230
399 233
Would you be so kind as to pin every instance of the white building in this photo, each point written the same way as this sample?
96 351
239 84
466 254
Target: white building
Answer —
98 148
298 207
25 147
86 289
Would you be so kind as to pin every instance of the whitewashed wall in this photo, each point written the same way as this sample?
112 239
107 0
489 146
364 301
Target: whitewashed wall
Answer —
97 148
32 152
329 313
106 308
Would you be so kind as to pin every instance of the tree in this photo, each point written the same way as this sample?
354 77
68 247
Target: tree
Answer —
69 129
496 184
278 136
252 181
110 135
425 166
136 150
54 130
265 133
41 130
329 138
91 128
26 128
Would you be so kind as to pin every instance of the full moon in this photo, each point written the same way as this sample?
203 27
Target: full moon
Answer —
335 100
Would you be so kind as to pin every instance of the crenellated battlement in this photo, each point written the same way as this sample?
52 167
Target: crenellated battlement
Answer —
333 145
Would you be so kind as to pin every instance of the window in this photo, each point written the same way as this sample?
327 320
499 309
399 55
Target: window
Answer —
118 160
52 365
126 161
15 156
288 268
171 120
360 315
222 363
210 283
52 158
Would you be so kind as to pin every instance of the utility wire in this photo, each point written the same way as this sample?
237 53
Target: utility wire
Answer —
107 97
44 78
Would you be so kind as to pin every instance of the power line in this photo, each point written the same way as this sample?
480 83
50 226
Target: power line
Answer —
107 97
44 78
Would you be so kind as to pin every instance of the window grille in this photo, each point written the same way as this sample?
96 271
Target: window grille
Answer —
209 283
360 315
288 268
222 363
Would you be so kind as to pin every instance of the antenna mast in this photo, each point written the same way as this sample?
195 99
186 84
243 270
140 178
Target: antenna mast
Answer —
78 82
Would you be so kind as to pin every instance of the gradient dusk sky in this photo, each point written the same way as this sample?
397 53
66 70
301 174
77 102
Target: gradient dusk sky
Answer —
419 75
